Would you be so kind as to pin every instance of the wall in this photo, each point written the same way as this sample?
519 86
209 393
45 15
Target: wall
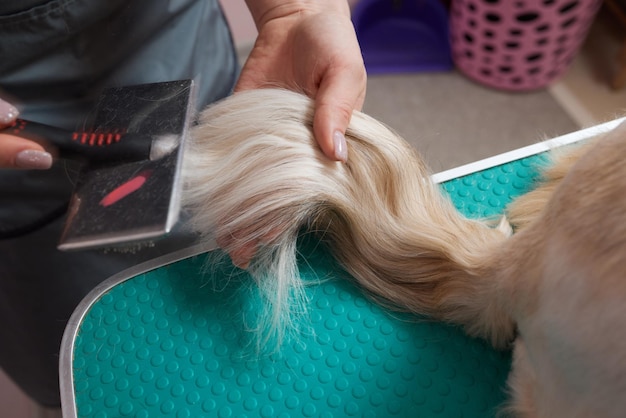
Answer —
240 21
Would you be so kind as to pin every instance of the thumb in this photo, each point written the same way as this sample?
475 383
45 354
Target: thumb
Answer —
336 99
18 152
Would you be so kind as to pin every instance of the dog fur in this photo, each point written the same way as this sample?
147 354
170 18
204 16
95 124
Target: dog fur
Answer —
254 177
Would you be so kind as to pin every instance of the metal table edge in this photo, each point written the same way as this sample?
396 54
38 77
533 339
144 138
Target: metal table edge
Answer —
66 354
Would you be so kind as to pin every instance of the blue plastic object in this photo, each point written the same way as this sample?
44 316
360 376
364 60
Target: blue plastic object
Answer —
403 35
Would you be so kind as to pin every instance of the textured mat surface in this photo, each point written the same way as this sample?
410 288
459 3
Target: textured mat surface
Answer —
173 342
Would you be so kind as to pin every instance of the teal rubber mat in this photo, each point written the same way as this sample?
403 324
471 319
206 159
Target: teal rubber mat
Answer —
168 343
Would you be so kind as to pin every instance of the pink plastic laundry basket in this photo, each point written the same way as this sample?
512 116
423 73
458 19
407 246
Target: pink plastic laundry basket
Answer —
518 45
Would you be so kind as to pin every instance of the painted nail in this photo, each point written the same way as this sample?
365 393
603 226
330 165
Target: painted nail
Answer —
33 159
341 148
8 113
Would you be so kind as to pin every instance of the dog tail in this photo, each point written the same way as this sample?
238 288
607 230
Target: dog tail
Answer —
254 177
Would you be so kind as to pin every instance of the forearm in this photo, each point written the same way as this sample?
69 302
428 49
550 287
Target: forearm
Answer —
264 11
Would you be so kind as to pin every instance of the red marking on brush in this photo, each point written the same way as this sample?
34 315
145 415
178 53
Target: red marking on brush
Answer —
95 138
125 189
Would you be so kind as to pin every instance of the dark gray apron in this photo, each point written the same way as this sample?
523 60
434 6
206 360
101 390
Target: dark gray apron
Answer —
56 56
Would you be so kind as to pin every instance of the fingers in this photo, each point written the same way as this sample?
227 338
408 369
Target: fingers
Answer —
242 256
16 152
339 94
341 85
8 114
241 248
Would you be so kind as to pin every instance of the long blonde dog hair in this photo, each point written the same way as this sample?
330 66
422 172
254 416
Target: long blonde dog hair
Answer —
254 178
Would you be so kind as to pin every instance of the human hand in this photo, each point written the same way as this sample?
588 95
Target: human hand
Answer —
310 46
16 152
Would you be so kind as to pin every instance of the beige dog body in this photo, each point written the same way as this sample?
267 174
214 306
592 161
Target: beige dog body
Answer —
566 281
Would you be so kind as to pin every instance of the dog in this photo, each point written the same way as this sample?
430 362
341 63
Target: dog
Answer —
553 291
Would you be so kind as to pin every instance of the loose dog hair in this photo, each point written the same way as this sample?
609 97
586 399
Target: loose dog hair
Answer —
255 177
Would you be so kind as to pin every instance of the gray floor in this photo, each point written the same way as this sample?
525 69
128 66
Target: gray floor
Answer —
453 121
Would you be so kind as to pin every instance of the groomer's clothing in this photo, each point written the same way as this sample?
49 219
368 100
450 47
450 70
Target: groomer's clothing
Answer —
57 56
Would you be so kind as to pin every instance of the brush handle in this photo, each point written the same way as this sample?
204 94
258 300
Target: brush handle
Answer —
91 146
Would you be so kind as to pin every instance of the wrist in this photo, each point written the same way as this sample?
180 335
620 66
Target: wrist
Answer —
264 11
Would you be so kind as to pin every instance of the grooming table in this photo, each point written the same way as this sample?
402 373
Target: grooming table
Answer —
160 340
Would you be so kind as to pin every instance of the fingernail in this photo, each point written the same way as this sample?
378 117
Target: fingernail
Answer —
341 148
8 113
33 159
